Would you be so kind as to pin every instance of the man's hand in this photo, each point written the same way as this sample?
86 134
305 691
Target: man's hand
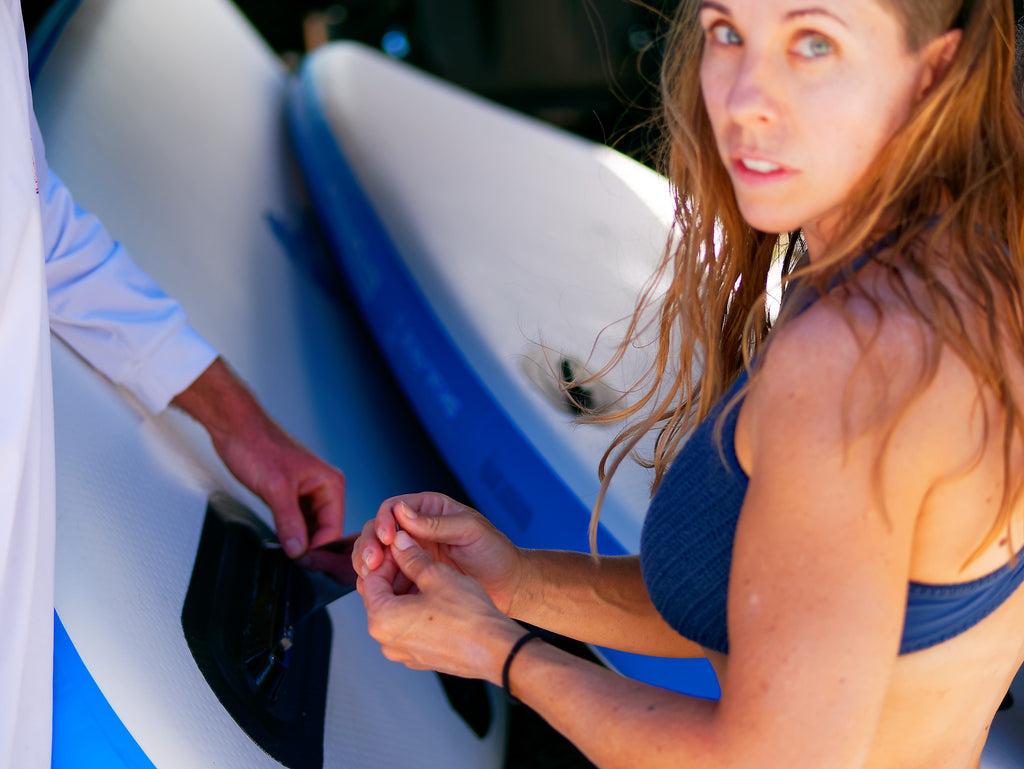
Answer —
305 494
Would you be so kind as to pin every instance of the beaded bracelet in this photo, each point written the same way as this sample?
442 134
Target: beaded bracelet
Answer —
523 640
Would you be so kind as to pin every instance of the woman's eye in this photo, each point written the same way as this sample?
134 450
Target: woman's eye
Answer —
813 46
723 34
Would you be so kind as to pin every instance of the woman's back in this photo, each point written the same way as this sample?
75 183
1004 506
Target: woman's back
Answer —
939 485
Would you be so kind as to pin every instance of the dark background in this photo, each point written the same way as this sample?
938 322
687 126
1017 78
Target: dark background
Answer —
587 65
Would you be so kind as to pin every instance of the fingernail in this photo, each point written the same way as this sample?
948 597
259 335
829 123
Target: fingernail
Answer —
365 571
407 511
292 548
403 541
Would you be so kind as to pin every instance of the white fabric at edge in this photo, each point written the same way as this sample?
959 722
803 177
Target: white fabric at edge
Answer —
117 319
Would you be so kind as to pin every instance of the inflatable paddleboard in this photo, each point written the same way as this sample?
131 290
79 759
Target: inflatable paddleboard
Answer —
166 119
487 251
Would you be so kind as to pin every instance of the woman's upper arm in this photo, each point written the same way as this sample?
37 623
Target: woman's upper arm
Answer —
817 590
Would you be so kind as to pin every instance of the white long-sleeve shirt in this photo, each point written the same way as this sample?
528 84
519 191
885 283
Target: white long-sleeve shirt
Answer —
59 270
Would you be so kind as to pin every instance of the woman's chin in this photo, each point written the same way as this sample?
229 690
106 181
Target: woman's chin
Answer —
768 217
773 225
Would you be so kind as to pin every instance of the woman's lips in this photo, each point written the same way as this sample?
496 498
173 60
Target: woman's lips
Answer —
753 170
761 166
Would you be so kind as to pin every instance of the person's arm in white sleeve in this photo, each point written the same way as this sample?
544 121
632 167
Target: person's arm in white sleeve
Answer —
115 316
109 310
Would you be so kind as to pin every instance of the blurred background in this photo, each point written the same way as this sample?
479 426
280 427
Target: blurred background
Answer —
589 66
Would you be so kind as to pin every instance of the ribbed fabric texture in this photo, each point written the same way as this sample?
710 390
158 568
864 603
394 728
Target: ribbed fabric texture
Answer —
687 540
936 613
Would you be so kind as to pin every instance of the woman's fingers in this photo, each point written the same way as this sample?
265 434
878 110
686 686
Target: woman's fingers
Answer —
368 552
412 560
452 528
377 535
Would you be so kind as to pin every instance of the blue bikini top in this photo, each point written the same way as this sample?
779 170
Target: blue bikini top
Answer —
687 541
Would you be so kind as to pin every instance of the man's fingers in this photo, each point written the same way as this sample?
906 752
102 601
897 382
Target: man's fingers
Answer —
324 502
328 523
288 520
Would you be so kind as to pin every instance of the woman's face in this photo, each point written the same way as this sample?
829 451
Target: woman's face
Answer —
802 95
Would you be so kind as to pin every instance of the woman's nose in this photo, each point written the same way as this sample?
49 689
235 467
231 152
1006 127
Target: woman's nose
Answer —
752 94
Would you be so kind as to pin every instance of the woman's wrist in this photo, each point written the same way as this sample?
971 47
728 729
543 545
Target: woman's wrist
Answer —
516 594
534 634
536 572
495 645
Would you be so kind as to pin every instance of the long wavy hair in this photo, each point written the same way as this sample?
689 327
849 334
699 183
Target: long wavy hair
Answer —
953 174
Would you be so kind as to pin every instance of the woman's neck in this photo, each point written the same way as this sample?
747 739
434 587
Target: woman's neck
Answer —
818 234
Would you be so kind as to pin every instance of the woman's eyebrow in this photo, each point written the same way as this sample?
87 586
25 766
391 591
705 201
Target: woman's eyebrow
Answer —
711 5
815 11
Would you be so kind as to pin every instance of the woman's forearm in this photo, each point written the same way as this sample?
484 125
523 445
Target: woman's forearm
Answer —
600 601
615 721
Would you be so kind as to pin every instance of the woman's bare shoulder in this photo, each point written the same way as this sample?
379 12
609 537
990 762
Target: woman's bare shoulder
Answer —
862 370
880 340
863 339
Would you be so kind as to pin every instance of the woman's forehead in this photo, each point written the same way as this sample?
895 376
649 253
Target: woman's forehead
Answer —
916 21
851 13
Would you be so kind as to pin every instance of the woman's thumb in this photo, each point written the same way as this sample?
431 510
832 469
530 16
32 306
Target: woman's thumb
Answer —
412 559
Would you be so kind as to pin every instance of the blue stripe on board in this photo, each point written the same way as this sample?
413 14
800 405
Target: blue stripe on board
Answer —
87 734
479 440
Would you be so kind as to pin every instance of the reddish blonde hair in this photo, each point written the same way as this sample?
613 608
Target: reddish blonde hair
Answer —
953 173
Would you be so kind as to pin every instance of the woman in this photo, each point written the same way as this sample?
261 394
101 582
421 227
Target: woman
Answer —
851 475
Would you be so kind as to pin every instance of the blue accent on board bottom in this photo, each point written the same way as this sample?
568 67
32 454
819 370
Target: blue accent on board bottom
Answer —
87 734
471 429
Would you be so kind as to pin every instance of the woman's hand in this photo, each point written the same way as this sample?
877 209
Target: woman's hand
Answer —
446 622
450 533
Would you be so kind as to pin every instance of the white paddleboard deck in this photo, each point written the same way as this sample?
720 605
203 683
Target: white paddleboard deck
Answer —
166 119
484 248
524 240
